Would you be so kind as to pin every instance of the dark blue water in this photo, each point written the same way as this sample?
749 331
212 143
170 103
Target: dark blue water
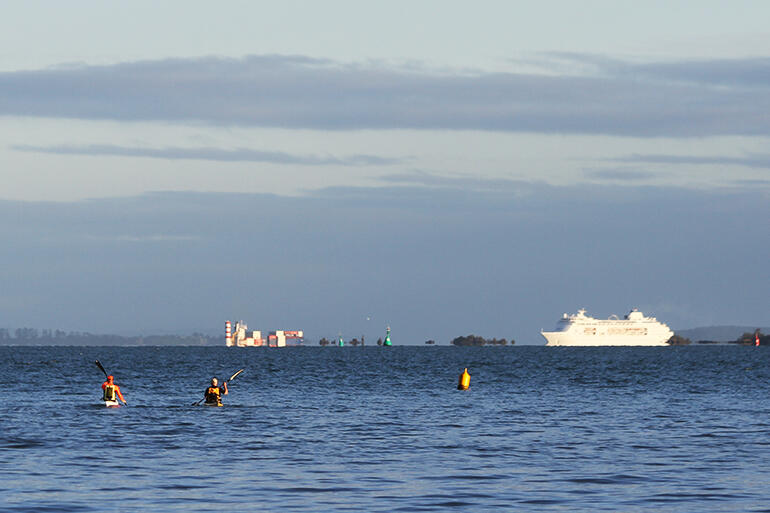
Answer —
679 429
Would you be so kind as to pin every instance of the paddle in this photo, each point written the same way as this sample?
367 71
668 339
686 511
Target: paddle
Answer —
196 403
99 364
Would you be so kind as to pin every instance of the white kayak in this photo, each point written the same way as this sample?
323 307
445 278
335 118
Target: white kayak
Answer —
111 404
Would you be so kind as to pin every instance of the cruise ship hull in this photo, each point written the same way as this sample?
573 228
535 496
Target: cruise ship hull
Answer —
563 339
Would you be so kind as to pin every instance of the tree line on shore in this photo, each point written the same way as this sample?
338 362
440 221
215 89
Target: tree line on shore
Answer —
475 340
747 339
47 337
353 342
677 340
470 340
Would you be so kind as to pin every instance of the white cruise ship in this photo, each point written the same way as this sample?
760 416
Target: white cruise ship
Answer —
633 330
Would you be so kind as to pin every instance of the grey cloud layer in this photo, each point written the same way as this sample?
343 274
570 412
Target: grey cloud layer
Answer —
751 160
216 154
609 96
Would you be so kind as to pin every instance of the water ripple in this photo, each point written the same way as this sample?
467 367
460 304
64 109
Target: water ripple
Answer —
311 429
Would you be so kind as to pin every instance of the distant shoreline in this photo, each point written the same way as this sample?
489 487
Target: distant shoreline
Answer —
23 337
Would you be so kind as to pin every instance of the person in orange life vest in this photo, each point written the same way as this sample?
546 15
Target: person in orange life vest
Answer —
112 391
214 393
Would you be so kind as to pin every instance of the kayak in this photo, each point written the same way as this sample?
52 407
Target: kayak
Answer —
112 404
211 404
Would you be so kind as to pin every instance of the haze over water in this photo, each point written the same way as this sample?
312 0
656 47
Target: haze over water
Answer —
677 429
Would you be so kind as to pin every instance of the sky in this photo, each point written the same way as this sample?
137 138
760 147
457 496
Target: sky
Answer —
443 168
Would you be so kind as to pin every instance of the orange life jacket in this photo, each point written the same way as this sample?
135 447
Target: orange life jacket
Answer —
213 395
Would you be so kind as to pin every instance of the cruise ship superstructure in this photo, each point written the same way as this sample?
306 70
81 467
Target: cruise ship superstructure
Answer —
633 330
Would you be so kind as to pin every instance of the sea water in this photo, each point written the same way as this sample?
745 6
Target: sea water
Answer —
675 429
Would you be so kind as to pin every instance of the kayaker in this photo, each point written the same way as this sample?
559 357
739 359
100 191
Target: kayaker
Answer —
214 393
111 390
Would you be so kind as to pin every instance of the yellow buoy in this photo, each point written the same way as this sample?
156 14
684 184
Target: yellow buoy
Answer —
465 380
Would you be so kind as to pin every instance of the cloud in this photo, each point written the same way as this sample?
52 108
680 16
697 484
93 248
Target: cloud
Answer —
761 160
751 72
215 154
619 175
433 192
583 94
751 183
468 182
438 193
147 238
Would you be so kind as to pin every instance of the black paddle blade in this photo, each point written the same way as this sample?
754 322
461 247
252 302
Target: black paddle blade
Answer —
99 364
